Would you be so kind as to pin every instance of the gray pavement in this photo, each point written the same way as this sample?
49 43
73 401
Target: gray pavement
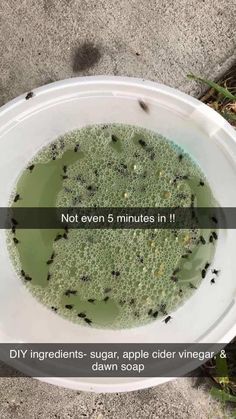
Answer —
25 398
46 40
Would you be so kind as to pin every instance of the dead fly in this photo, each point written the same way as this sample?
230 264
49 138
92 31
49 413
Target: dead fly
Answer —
76 200
114 138
106 290
142 143
53 147
183 177
31 168
22 273
203 273
85 278
64 169
69 306
91 300
175 180
14 222
88 321
51 259
213 281
17 197
82 315
54 308
92 189
174 278
207 265
215 271
155 314
153 235
167 319
182 196
180 292
70 292
106 299
192 286
180 157
58 237
184 256
215 236
80 179
123 168
201 183
178 177
13 229
29 95
211 238
49 277
76 148
189 252
28 278
192 201
163 309
64 177
65 236
16 241
115 273
140 259
143 106
214 219
202 240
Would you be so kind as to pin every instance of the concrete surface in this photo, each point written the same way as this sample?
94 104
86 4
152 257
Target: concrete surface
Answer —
41 40
46 40
25 398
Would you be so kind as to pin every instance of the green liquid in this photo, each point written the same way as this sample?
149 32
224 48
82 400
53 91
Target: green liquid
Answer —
126 274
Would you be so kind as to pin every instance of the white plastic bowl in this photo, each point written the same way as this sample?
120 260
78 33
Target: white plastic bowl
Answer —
26 125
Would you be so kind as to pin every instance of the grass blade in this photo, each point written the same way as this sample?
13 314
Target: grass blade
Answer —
222 396
221 366
221 90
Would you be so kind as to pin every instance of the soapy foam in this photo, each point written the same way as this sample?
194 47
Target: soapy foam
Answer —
118 166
